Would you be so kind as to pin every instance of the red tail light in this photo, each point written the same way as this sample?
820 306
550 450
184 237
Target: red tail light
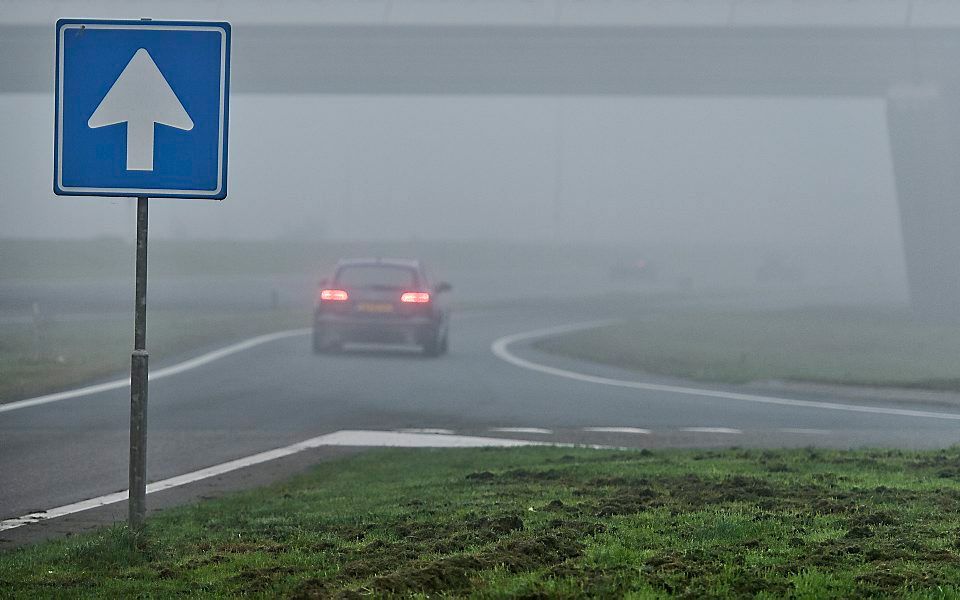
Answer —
334 296
415 297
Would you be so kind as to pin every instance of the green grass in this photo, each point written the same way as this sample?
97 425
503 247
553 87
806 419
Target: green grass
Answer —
542 522
69 353
842 346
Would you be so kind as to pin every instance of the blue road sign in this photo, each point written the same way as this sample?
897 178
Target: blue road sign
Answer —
141 108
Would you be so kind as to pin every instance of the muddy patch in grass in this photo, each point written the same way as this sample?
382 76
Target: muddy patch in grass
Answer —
632 502
261 579
375 558
594 582
675 570
496 525
532 475
450 574
385 568
249 548
620 496
444 538
456 573
693 574
738 488
881 580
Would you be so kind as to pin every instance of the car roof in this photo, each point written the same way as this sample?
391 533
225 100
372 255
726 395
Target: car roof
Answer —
408 263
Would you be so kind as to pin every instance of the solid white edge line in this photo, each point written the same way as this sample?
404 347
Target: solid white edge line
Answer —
339 438
500 348
176 369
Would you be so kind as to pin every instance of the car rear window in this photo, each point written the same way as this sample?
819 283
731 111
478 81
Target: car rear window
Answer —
376 276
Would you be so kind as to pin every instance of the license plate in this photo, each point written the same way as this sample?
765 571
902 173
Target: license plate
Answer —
369 307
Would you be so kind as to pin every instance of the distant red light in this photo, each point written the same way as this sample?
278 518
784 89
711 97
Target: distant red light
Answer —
334 296
415 297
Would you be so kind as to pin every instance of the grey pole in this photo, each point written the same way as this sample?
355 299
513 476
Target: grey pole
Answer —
138 381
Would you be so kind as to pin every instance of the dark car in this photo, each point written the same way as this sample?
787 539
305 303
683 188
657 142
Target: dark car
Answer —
380 300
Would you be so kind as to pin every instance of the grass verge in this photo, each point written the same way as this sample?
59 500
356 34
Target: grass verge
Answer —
542 522
60 354
837 346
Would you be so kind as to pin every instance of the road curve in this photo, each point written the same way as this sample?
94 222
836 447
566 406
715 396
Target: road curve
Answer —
278 393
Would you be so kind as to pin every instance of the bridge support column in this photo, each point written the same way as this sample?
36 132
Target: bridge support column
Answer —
924 125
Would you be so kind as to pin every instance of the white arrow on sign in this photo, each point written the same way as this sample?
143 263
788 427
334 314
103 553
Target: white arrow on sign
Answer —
140 97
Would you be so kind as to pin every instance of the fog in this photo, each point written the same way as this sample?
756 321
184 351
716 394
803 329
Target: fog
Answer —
797 174
662 170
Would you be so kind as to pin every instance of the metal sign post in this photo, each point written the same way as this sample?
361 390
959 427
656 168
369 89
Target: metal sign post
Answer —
142 110
139 372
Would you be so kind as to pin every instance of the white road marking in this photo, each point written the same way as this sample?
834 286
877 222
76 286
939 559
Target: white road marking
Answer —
636 430
711 430
176 369
803 431
395 439
522 430
500 348
431 430
340 438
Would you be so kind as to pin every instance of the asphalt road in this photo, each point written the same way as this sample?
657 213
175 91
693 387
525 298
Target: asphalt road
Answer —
280 393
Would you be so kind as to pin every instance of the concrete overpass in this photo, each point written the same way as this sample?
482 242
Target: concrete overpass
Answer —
907 52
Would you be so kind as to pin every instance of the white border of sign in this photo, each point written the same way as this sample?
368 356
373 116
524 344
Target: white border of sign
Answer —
217 193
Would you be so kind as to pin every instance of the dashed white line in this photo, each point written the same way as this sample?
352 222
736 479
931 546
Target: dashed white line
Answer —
176 369
340 438
536 430
635 430
500 348
729 430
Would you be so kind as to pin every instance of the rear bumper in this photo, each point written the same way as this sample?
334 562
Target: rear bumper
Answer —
401 330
